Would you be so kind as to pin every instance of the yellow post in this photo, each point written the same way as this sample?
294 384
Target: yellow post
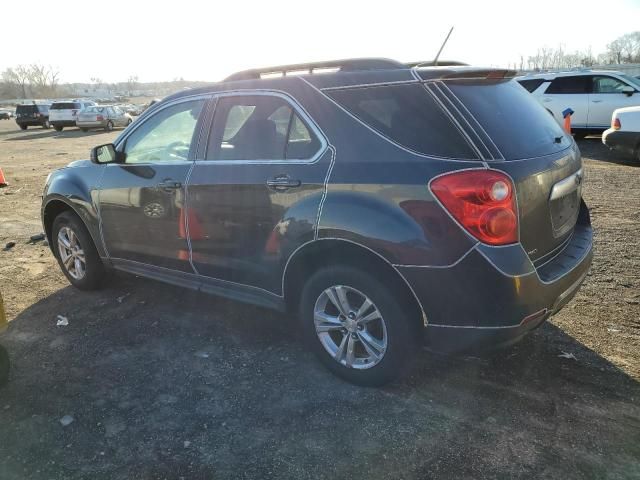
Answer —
5 363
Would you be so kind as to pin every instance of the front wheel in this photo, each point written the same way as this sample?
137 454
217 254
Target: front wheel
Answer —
46 125
356 326
23 127
58 129
76 253
109 126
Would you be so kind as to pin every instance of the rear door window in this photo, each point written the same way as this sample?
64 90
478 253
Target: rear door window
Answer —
576 84
259 127
518 125
407 115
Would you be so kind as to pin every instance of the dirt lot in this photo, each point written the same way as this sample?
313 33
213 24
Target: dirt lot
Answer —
166 383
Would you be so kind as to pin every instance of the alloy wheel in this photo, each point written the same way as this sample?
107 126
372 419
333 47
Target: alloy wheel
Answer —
71 253
350 327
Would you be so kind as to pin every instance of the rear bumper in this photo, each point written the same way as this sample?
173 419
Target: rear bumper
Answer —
63 123
494 296
31 122
624 142
80 124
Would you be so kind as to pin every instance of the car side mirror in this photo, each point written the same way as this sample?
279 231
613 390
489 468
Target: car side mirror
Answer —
106 154
628 91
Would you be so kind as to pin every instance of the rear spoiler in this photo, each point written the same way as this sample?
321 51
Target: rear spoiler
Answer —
465 73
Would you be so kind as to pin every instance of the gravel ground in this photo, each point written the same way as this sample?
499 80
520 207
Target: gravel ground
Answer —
163 383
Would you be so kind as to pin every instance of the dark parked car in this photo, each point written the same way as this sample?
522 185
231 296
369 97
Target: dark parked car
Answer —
386 205
6 114
32 115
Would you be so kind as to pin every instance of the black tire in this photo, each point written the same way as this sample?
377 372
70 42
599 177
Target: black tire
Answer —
129 122
46 125
58 129
401 343
109 126
23 127
84 129
5 366
94 269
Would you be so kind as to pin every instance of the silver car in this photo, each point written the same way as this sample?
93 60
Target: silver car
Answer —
103 116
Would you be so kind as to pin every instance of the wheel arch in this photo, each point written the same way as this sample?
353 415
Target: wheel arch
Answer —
55 207
319 253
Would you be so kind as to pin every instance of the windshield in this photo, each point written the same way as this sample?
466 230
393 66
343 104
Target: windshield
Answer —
632 80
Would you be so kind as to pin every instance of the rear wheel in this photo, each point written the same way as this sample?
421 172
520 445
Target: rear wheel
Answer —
58 129
23 127
46 124
109 126
129 122
76 254
356 326
84 129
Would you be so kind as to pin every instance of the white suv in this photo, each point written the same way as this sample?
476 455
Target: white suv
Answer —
593 95
65 113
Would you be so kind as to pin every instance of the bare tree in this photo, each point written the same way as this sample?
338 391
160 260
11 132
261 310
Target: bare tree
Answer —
19 77
132 81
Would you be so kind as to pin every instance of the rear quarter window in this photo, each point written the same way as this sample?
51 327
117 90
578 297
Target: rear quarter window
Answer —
407 115
531 85
518 125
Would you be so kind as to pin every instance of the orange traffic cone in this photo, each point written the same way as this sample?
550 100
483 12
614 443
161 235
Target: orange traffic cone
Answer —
567 119
3 182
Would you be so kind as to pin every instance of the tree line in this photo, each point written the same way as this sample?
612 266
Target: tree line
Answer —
624 49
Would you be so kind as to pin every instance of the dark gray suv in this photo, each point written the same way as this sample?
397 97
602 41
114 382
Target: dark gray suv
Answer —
386 205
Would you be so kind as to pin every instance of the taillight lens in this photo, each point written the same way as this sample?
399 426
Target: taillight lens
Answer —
482 201
99 118
616 125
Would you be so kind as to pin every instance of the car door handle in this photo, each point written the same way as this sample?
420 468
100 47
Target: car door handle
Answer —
596 101
282 182
168 184
547 100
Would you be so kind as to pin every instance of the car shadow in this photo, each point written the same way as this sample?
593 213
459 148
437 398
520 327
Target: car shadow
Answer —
162 382
592 147
54 134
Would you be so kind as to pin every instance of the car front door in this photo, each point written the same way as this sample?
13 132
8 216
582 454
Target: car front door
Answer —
256 195
607 95
141 200
568 92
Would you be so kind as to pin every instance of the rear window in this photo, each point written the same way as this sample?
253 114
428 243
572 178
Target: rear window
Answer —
408 115
66 106
31 108
531 85
518 125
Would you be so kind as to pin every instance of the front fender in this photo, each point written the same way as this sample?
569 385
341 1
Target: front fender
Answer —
76 189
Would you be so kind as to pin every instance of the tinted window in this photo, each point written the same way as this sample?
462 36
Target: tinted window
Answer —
519 126
408 115
531 85
259 128
166 135
575 84
66 106
602 84
29 109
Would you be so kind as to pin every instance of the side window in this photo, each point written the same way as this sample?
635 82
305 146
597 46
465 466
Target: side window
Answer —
165 136
259 127
532 84
569 85
603 84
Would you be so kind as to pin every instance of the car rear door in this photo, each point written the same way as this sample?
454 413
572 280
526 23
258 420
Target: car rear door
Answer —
568 92
255 196
141 200
607 95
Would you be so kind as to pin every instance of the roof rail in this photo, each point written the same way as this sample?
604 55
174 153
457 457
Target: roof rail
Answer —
346 65
439 63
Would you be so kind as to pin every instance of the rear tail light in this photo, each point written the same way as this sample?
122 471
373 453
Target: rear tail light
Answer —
99 118
616 125
482 201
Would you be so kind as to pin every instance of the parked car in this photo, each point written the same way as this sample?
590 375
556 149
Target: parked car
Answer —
385 205
131 109
103 116
624 134
33 114
64 114
6 114
593 95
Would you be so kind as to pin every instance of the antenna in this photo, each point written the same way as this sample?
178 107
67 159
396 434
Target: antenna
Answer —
435 60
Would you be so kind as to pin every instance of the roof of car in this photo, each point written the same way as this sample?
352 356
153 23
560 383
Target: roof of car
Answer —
567 73
345 73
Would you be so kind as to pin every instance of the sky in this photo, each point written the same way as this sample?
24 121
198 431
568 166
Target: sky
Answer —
208 40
